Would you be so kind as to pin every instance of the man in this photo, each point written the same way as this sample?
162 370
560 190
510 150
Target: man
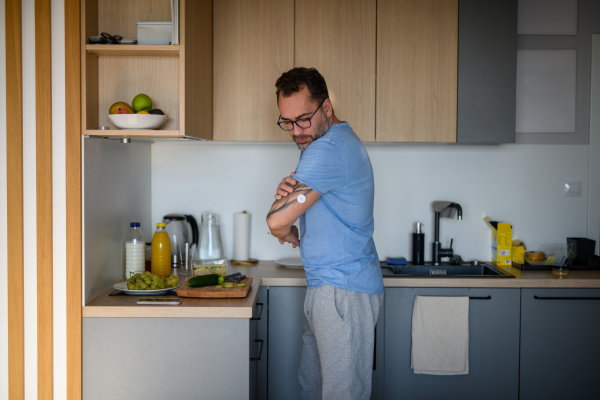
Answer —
331 192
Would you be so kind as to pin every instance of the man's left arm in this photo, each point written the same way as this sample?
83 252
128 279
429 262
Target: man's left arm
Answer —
285 211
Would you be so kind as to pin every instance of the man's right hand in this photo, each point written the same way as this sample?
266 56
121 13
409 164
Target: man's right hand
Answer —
291 237
285 186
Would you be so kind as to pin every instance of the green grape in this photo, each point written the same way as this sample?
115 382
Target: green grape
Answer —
161 285
130 286
153 286
143 286
148 272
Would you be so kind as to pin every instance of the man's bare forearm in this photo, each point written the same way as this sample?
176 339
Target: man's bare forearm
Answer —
279 223
292 198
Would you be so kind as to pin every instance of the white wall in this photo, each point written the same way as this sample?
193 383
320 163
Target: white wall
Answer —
116 191
520 184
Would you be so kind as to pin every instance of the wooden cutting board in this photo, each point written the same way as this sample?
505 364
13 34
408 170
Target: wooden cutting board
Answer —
214 293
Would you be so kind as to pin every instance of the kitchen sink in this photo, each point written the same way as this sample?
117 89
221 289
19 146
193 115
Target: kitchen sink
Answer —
464 270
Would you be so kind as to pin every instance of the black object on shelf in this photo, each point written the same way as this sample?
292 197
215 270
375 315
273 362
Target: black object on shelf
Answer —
583 246
112 39
98 40
589 262
533 267
418 246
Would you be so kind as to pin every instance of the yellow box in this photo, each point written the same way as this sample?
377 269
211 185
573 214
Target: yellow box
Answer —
518 252
501 242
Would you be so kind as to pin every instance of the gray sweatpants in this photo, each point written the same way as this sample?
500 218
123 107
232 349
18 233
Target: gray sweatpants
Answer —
336 362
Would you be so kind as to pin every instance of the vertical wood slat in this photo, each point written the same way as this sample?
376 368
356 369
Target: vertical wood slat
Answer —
43 113
73 51
14 161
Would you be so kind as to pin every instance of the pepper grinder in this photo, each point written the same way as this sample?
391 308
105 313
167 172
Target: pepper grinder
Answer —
418 245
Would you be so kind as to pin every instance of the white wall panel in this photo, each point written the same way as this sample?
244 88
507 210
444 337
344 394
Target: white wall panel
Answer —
59 199
3 210
546 90
520 184
29 200
547 17
116 192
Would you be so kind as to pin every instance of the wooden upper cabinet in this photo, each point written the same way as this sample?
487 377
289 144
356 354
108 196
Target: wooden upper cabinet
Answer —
417 55
253 46
338 38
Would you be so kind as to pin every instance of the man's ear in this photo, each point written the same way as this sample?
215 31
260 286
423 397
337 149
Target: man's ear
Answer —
328 107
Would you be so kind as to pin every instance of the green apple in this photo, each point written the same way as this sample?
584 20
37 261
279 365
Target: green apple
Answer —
141 102
120 107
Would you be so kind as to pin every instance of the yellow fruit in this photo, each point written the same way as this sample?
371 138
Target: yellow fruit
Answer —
142 112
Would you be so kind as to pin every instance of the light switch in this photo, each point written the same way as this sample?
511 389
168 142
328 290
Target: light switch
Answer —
573 188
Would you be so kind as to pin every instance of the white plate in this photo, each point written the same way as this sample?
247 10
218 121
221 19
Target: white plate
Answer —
138 121
122 286
290 262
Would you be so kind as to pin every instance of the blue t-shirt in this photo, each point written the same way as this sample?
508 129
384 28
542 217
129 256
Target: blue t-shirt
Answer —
337 245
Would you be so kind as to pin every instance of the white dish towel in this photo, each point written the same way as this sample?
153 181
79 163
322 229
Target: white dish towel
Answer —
440 335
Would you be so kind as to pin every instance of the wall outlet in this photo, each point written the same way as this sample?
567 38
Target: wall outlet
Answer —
573 188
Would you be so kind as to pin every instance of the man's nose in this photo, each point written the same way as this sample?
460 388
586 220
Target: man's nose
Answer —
297 130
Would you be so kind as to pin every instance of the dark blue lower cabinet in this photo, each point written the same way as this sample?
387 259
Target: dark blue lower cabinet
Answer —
285 325
286 318
560 350
493 347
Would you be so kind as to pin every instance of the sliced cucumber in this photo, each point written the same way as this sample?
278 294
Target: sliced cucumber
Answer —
228 284
218 286
241 284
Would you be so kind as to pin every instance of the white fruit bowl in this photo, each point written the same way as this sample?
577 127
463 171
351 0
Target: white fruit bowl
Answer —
138 121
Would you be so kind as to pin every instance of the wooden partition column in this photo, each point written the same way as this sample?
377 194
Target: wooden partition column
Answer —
14 181
43 176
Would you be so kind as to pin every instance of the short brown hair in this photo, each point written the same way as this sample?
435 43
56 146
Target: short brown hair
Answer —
293 80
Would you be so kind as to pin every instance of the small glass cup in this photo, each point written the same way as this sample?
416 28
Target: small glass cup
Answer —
560 270
186 258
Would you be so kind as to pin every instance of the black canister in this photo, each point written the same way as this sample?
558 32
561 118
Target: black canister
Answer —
418 245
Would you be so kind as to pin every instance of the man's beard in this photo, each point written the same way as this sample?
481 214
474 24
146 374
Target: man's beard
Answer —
320 131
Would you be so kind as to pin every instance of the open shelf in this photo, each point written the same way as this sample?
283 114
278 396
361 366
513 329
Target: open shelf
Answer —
118 72
133 50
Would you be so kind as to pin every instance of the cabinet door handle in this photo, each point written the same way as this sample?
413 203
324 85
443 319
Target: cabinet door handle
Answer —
565 298
260 314
481 298
375 350
262 344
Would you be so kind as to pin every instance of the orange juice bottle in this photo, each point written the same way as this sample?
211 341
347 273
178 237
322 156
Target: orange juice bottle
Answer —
161 251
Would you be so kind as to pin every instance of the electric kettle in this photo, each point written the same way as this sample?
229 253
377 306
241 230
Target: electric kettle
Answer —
182 229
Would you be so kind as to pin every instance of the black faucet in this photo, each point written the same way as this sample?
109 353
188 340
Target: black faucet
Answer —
443 209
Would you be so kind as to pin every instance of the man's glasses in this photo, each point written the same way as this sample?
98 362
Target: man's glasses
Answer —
303 123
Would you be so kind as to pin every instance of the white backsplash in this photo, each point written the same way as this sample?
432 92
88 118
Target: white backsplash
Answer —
519 184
